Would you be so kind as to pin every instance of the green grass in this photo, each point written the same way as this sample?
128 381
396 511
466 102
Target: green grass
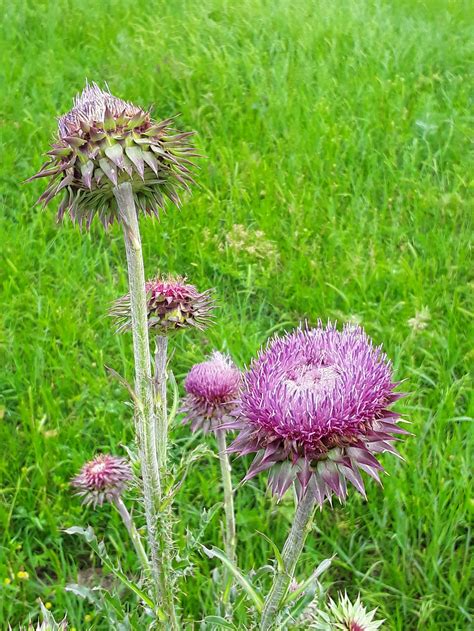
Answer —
340 130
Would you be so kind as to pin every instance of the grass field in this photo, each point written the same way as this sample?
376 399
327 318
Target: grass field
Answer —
336 185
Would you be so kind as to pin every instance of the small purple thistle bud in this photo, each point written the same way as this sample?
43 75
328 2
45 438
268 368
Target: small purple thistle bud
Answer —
102 479
172 304
103 142
211 389
314 406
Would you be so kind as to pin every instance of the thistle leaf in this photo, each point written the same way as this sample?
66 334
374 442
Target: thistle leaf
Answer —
218 621
247 586
99 548
311 581
278 557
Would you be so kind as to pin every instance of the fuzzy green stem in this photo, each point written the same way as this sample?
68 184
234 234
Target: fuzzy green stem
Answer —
230 538
161 407
145 427
133 532
160 382
292 549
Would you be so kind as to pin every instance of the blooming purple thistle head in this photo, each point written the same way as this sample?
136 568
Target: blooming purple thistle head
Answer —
172 305
102 479
314 406
104 141
211 389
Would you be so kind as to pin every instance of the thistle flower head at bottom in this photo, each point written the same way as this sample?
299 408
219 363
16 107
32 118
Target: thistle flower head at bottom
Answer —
314 407
344 616
102 479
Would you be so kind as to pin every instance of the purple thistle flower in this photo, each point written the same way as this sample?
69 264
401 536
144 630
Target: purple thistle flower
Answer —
102 479
104 141
211 390
314 406
172 304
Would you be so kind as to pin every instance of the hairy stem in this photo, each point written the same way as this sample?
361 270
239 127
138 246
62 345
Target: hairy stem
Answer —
230 538
292 549
161 408
160 382
145 426
133 532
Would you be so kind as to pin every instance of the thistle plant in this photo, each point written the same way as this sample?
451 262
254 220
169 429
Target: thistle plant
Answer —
315 408
211 391
111 159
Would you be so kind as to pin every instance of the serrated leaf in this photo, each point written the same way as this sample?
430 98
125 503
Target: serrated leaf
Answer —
99 548
243 581
87 533
83 592
219 622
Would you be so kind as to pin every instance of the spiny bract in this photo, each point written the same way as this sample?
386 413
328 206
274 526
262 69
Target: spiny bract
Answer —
172 304
315 407
211 391
104 141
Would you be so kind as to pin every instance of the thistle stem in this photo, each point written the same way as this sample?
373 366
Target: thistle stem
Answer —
133 532
145 427
160 381
161 408
292 549
230 538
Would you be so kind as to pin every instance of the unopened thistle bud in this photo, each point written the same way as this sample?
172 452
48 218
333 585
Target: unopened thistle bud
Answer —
102 479
172 305
211 391
104 141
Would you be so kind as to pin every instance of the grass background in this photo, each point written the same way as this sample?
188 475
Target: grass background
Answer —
336 186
